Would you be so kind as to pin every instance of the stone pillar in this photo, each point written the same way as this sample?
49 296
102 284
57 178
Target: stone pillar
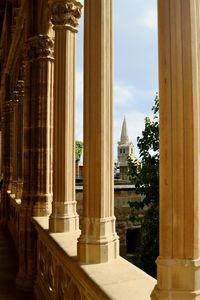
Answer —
15 96
20 88
9 143
178 264
99 241
38 122
7 107
65 17
37 164
20 139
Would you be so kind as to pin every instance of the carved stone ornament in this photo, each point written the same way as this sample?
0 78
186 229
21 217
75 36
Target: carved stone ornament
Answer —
66 13
41 46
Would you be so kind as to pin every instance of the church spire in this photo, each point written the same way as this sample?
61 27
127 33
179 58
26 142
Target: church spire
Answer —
124 133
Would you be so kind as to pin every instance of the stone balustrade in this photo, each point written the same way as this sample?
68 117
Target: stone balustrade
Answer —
61 276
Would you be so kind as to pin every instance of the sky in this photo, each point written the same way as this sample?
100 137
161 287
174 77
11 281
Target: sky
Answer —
135 67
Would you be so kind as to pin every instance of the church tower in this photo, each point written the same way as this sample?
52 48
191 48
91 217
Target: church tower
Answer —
125 149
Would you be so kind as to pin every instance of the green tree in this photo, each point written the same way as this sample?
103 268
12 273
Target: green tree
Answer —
145 176
79 150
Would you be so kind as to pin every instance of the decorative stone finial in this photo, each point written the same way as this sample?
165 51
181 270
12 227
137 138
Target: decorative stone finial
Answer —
66 12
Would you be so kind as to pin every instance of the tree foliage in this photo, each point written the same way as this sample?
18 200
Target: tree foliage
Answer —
79 150
145 176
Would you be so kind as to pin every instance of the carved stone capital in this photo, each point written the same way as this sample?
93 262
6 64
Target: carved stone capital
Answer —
39 47
66 12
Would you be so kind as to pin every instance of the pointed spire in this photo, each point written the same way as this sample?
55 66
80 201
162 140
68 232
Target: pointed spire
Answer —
124 133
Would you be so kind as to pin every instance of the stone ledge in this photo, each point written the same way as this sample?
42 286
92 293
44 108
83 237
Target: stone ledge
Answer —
117 279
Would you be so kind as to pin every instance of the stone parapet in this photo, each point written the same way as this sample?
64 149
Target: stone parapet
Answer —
60 275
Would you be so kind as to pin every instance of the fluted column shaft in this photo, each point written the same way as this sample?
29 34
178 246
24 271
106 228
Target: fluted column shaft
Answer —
179 69
98 242
9 145
20 88
64 216
38 110
14 141
37 164
7 115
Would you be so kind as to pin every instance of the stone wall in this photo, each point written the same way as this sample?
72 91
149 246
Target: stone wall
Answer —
122 195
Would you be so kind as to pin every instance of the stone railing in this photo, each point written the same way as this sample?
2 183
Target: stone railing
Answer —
60 276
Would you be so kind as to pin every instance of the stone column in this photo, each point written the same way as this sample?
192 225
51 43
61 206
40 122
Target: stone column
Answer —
20 138
38 131
15 96
178 263
99 241
37 164
9 144
65 17
7 112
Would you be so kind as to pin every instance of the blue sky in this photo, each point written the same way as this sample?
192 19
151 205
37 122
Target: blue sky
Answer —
135 66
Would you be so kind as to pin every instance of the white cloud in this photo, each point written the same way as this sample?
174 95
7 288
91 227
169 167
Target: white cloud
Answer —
149 19
130 97
123 95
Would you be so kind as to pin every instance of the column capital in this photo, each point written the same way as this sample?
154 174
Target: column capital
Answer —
66 13
39 47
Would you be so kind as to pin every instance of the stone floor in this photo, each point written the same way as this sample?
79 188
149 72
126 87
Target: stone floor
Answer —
8 270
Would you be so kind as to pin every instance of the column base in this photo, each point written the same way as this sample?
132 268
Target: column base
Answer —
42 206
63 224
99 242
177 279
174 295
64 217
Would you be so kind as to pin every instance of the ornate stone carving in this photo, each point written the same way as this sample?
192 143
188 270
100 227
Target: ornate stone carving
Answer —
41 46
66 13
